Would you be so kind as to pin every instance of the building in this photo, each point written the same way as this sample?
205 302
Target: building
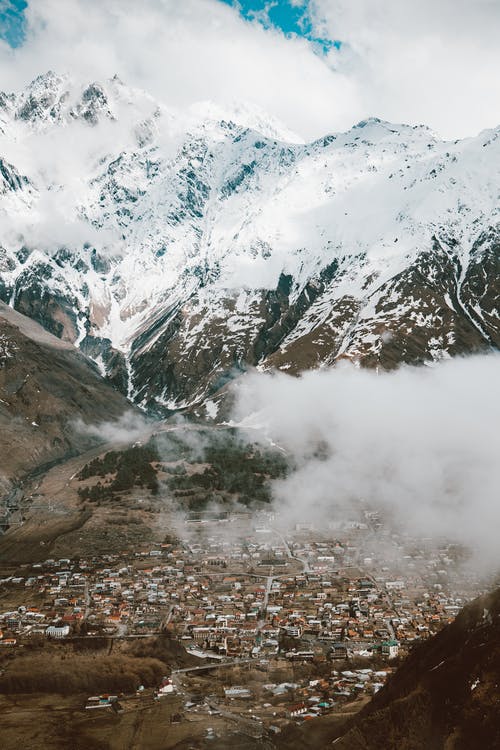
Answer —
54 631
390 649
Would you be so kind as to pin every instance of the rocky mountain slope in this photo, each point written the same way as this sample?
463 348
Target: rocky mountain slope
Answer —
178 249
445 695
48 393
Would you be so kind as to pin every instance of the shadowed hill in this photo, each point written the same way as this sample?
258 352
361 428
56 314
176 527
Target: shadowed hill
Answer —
444 696
46 386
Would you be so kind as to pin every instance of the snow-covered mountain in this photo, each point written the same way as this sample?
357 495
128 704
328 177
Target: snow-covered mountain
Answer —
178 248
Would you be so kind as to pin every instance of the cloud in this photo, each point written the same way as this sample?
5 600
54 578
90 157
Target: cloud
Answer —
422 444
130 427
425 62
182 53
60 162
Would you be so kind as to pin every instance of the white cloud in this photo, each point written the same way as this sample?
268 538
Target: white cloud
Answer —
419 62
421 443
426 62
130 427
402 60
182 52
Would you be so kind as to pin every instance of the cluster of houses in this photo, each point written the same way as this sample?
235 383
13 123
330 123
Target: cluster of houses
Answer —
253 594
242 596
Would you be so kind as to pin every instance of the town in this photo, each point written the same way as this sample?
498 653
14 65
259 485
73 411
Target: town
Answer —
282 624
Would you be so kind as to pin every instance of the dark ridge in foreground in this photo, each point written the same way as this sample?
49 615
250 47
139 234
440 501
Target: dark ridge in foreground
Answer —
444 696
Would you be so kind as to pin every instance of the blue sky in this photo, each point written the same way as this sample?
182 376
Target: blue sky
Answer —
12 21
291 18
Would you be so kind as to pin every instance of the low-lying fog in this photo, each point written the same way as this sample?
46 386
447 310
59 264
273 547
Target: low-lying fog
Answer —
421 443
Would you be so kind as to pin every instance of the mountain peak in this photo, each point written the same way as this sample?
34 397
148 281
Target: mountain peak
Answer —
43 98
165 234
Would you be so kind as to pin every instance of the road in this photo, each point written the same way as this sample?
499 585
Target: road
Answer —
269 585
271 578
384 593
25 488
218 665
305 563
247 726
86 596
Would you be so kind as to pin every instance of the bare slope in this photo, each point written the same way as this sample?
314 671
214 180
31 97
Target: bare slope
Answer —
46 388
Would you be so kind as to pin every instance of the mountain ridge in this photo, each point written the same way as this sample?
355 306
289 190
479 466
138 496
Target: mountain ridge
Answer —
181 250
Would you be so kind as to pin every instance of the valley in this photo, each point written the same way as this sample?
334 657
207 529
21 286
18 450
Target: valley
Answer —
230 632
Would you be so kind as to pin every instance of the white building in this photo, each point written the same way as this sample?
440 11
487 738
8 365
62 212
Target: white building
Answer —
54 631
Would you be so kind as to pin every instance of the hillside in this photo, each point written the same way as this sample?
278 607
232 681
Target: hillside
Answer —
180 248
444 696
50 395
46 388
